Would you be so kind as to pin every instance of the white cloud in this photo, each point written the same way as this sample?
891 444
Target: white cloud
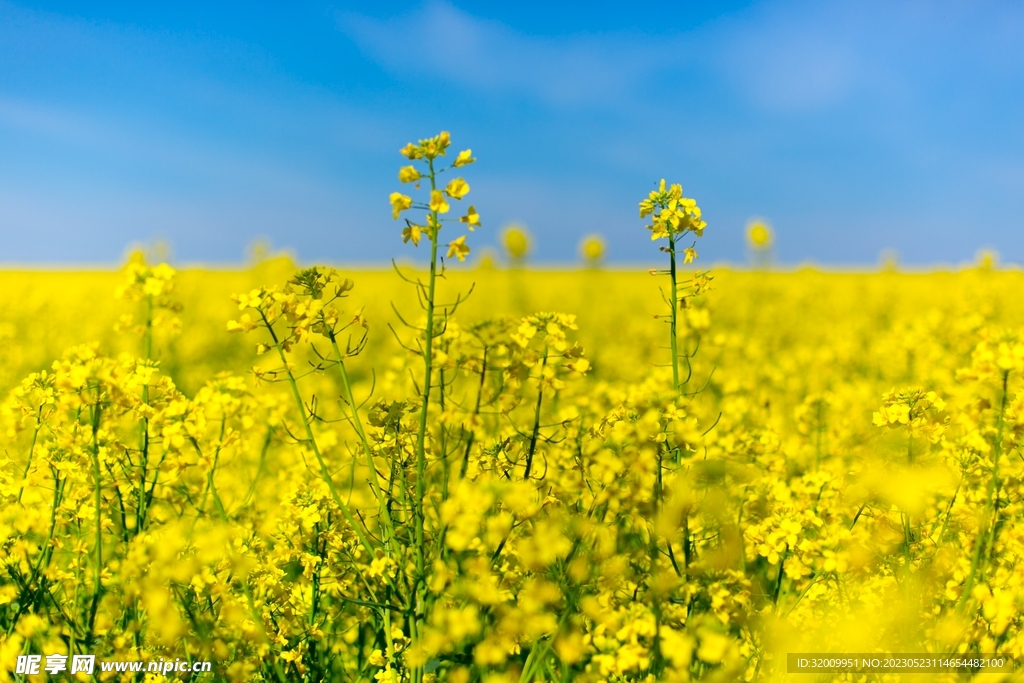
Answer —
796 56
772 58
149 145
442 40
789 67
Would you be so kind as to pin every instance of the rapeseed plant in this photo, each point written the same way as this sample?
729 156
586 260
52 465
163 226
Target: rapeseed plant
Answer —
515 239
760 240
592 249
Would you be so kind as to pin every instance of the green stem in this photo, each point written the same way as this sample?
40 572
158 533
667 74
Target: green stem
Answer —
476 412
675 306
984 529
147 349
94 451
325 473
428 366
31 452
210 484
361 431
777 593
45 553
258 620
382 501
536 417
907 538
994 483
421 438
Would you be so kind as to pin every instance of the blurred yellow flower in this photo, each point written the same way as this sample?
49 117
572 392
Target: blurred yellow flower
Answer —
471 219
399 203
516 240
592 249
987 259
412 233
759 235
458 248
438 202
408 174
457 189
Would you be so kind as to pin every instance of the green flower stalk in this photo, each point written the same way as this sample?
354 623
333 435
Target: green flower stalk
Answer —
428 153
672 217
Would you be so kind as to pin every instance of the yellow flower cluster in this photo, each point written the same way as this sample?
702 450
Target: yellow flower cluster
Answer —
427 152
759 235
919 412
671 213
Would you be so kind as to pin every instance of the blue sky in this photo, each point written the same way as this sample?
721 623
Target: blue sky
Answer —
853 127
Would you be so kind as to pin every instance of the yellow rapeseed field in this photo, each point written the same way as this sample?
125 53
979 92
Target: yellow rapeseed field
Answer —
445 473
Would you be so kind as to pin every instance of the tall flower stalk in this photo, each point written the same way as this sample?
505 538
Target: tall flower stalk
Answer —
672 216
428 153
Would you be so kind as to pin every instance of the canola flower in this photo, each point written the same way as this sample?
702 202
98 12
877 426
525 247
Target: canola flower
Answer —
515 239
760 240
302 483
592 249
673 216
759 235
987 259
